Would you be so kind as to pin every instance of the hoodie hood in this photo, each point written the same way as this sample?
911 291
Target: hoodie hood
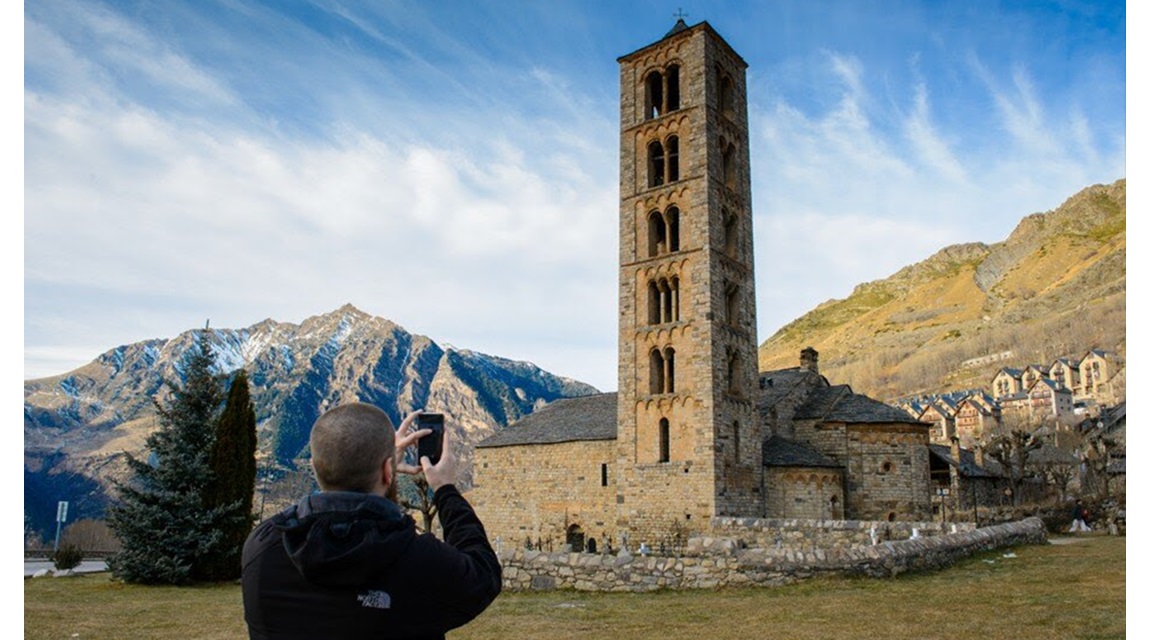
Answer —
337 539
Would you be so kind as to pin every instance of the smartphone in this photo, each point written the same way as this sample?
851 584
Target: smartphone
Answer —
431 445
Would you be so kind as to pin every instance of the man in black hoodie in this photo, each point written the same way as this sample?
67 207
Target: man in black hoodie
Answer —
347 562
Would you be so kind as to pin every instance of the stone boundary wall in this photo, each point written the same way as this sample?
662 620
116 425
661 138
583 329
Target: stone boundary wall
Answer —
732 567
810 535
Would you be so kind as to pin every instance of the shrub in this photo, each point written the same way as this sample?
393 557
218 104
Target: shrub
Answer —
68 556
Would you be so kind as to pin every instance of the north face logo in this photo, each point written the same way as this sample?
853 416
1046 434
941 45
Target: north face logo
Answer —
375 600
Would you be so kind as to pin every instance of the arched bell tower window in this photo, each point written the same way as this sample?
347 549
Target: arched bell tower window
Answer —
654 92
664 301
661 92
663 232
727 103
669 370
655 164
728 163
665 441
729 232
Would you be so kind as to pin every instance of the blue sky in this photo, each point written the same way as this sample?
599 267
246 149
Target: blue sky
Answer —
452 166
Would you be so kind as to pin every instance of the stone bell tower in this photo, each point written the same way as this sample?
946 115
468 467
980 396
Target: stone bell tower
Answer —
689 444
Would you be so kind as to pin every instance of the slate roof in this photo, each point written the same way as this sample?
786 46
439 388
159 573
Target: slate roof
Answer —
567 420
781 452
967 464
777 385
839 404
677 28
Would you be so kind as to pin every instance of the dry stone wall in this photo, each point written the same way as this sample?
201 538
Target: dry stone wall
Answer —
722 564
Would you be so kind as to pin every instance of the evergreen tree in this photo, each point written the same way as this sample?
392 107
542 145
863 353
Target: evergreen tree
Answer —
163 521
233 462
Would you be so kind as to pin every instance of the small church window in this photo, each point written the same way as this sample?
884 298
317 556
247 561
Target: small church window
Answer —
665 445
726 101
654 85
604 475
673 159
673 88
655 164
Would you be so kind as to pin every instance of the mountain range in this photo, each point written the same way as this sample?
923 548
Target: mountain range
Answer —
78 426
1055 287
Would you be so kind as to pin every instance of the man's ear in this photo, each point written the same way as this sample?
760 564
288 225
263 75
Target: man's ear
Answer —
388 473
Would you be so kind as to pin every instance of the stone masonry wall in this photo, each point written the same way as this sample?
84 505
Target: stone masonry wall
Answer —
536 492
726 565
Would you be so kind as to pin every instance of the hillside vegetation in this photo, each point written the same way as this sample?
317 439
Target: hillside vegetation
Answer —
1055 287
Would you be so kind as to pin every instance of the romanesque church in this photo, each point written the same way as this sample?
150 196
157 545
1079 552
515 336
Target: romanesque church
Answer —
695 431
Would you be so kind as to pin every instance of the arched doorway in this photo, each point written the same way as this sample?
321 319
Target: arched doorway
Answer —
575 538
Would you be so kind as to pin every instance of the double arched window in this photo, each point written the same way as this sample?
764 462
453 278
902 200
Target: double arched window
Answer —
663 161
664 300
661 92
662 371
663 232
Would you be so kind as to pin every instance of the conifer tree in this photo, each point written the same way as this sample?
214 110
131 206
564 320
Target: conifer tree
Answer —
162 520
233 463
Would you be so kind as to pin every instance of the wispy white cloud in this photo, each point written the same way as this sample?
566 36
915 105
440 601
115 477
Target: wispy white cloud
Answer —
244 161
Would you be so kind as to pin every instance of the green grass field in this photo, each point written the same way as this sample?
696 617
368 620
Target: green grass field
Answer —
1074 590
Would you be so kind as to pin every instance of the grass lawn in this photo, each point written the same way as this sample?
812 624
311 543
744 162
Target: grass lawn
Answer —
1074 590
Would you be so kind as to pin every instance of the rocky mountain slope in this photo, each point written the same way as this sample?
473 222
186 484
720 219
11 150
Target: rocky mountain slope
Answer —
78 426
1055 287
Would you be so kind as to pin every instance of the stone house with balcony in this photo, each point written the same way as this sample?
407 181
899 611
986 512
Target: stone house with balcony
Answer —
1006 382
1066 373
1099 376
974 420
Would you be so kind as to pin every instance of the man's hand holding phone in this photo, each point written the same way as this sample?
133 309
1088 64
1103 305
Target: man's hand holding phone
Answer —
436 456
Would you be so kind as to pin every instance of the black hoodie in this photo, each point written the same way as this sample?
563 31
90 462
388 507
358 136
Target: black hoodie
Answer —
351 565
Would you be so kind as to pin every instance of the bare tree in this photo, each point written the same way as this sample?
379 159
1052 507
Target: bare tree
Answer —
415 495
1011 445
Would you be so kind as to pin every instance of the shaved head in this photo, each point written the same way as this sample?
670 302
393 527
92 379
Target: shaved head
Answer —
349 446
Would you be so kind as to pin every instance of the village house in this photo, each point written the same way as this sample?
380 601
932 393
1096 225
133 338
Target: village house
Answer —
1006 382
975 420
1098 372
1066 373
